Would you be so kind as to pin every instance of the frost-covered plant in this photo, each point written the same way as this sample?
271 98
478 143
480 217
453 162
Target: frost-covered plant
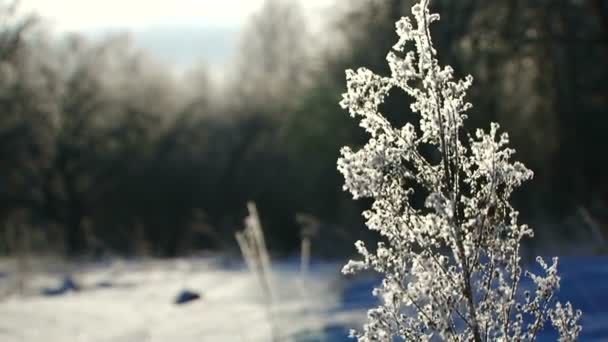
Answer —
451 267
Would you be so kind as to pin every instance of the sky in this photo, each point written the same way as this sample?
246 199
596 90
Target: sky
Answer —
179 32
76 15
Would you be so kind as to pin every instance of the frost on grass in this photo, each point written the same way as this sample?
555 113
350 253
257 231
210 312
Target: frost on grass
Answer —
451 267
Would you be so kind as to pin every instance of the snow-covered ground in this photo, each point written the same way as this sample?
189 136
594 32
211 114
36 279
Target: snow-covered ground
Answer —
134 301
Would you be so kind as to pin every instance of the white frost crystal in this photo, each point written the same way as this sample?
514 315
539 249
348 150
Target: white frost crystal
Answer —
451 267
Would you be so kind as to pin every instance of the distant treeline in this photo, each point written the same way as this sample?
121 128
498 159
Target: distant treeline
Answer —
104 150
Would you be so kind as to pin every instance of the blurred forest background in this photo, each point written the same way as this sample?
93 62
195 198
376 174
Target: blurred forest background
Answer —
104 150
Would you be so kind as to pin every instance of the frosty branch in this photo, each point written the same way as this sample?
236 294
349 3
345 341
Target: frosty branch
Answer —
451 267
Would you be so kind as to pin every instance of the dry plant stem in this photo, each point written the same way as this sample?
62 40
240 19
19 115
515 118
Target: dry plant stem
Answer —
253 247
305 256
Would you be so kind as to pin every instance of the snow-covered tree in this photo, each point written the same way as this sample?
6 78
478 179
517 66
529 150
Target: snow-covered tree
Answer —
451 266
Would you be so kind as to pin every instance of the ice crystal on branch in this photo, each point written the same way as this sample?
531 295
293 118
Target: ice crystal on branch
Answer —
451 267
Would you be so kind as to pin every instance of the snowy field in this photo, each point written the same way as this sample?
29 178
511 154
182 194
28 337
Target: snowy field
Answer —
135 301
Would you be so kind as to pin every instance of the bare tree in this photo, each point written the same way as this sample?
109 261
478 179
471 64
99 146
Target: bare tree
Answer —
274 62
97 106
